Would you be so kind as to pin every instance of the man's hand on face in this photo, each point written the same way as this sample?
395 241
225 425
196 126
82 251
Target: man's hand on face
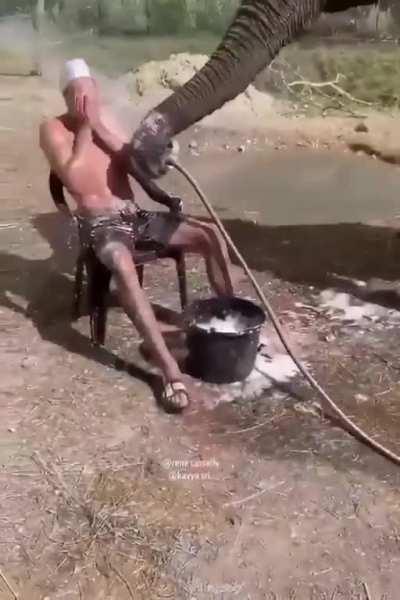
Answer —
92 113
86 108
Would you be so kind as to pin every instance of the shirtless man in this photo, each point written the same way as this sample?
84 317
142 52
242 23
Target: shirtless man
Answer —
91 158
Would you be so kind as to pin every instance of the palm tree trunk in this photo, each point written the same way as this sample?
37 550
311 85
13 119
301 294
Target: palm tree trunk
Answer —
38 16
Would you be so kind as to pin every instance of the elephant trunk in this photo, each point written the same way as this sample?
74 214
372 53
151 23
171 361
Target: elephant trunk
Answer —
260 29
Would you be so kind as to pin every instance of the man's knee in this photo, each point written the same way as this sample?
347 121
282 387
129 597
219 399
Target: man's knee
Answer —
116 257
201 237
211 239
202 241
216 234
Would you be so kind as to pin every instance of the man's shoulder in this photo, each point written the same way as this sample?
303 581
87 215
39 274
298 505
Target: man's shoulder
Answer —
53 128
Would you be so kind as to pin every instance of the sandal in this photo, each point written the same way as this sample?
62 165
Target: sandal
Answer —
175 396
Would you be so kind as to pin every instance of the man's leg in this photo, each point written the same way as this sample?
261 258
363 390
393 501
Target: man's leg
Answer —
202 238
118 259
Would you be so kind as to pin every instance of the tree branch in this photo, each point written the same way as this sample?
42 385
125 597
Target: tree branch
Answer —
333 85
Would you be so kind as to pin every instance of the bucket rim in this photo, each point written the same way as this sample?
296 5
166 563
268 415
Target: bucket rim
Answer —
226 334
191 325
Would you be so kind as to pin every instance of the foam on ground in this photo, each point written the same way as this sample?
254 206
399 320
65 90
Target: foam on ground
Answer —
346 307
271 370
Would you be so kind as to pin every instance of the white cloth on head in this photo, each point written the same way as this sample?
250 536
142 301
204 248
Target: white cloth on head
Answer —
73 69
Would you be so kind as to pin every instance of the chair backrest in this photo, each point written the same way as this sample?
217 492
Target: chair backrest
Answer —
56 188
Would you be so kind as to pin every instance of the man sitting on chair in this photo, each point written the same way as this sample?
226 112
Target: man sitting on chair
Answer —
90 156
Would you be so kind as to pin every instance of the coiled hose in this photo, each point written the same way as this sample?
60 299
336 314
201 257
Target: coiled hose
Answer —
327 401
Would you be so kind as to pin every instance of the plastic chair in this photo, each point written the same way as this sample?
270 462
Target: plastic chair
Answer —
98 277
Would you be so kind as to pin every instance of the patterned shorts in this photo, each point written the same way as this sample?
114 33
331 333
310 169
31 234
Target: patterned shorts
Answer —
133 228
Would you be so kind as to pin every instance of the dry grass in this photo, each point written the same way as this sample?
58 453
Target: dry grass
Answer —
371 75
368 75
117 532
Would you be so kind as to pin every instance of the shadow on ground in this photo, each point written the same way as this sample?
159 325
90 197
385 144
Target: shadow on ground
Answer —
42 290
313 254
301 254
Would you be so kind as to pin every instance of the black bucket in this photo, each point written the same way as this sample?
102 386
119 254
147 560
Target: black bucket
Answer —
222 357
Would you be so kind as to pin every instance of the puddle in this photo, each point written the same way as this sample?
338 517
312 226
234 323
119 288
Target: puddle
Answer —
302 187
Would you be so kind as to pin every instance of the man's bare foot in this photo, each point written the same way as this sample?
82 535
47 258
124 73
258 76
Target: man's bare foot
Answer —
175 396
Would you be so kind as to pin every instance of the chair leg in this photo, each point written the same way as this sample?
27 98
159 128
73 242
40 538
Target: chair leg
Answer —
98 286
98 325
77 293
182 280
140 272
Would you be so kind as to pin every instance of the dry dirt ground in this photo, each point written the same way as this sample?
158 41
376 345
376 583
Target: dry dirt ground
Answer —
104 496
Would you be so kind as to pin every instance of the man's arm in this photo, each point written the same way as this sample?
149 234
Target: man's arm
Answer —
65 161
56 187
152 189
117 146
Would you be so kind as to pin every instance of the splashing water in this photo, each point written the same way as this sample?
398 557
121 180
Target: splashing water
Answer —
232 323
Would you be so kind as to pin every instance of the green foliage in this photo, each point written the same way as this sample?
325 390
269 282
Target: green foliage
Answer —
133 16
14 6
215 15
167 16
122 16
72 13
395 12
